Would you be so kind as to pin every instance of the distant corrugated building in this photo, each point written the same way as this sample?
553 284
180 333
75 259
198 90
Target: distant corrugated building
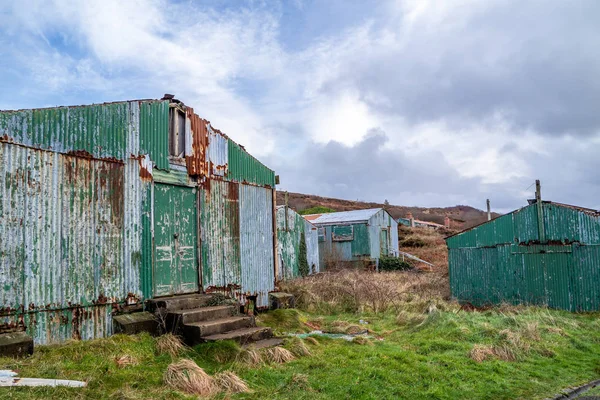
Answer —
410 221
545 253
355 236
297 245
108 205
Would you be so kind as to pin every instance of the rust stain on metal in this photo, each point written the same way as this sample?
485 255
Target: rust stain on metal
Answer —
196 162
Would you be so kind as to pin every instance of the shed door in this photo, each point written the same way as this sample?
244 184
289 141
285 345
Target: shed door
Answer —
175 238
383 243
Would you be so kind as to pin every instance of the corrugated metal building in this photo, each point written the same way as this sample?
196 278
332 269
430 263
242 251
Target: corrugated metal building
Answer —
112 204
545 253
297 245
355 236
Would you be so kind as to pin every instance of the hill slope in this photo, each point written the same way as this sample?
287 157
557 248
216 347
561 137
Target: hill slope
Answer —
462 217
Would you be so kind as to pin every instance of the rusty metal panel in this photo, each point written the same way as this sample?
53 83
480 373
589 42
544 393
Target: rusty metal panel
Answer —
13 177
79 323
218 157
220 237
256 242
196 160
71 230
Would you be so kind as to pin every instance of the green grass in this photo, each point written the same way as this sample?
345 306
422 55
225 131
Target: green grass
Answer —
414 356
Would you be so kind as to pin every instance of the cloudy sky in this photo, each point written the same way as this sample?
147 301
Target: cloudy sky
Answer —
420 102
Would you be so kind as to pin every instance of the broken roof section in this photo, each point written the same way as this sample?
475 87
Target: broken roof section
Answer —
344 217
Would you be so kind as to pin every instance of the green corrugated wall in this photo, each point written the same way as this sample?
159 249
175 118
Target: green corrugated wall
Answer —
503 261
245 168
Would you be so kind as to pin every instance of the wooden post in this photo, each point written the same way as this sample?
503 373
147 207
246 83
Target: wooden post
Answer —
489 210
540 211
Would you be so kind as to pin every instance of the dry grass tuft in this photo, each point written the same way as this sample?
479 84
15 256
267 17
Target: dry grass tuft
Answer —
362 341
169 344
186 376
406 318
126 361
250 357
231 383
312 341
298 347
481 353
278 355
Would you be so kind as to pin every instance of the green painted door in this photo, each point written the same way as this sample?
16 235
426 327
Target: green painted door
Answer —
383 243
175 240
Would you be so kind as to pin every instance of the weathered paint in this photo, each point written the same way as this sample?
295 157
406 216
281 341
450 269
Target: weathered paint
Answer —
289 237
80 187
70 232
154 131
256 243
175 240
221 268
503 260
247 169
355 235
218 153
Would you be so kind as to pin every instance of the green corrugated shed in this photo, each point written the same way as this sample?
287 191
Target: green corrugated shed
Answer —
519 259
93 206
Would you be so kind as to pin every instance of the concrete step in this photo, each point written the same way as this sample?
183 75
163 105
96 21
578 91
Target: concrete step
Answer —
181 317
243 335
193 332
264 343
180 302
16 344
131 324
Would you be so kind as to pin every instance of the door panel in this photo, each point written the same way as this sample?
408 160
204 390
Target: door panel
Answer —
175 261
383 243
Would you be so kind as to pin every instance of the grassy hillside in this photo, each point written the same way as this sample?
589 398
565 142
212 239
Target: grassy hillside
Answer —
462 216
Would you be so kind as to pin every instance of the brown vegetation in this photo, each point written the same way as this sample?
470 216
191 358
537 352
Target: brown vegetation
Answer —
186 376
229 382
169 344
351 290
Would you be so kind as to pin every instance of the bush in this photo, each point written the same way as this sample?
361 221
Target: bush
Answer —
393 264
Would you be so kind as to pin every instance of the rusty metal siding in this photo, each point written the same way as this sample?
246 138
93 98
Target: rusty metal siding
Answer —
71 230
80 323
218 153
13 162
154 131
256 242
196 158
220 237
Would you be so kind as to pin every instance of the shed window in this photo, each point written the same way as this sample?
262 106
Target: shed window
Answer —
321 233
342 233
177 132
